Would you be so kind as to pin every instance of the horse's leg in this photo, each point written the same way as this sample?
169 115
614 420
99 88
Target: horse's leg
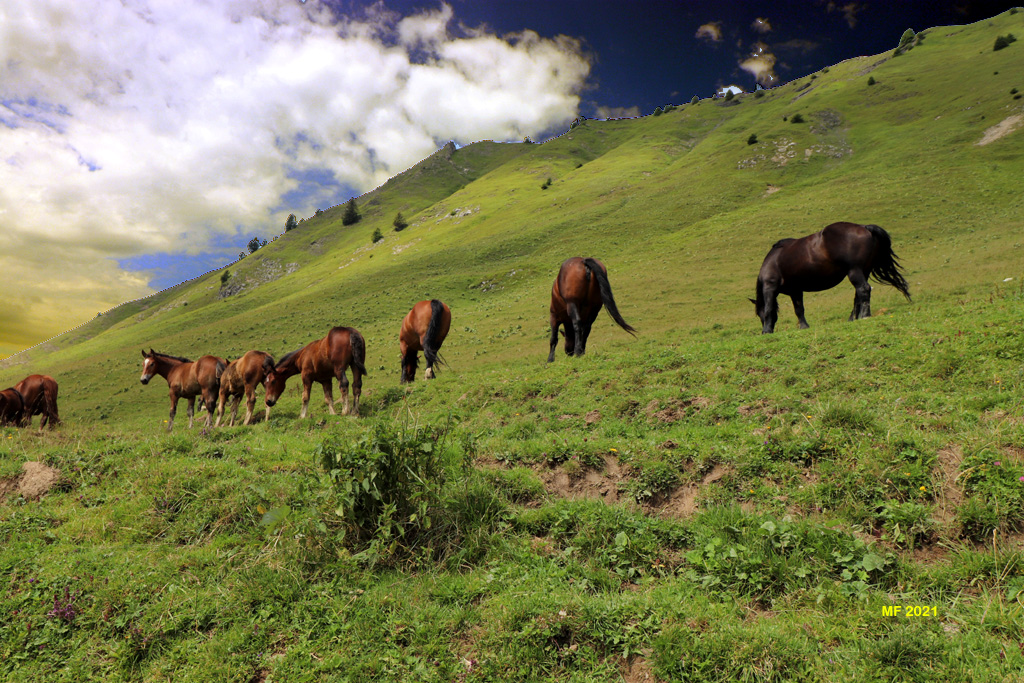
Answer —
210 407
221 401
862 299
798 308
577 327
343 385
307 384
329 395
771 309
191 409
250 403
235 402
554 339
357 390
174 410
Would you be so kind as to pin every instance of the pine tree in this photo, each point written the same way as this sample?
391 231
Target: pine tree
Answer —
291 223
400 223
351 216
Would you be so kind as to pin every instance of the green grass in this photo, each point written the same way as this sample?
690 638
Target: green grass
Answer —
702 503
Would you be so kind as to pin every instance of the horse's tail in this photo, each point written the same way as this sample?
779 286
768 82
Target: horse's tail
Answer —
50 396
606 294
431 344
886 267
358 352
221 367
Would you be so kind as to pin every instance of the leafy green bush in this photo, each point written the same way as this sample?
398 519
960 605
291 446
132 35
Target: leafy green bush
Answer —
797 118
752 140
1004 41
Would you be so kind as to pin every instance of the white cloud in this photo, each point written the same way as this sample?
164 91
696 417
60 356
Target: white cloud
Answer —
761 64
710 31
150 126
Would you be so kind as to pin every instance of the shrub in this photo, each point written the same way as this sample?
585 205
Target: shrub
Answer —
1003 41
752 140
695 100
797 118
351 216
377 236
546 184
871 80
400 223
729 95
291 223
255 244
224 277
657 111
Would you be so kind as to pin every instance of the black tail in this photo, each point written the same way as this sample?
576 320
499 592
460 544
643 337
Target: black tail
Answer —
431 343
606 294
221 367
358 352
886 267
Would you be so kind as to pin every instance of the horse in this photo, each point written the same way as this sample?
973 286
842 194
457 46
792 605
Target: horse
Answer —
11 406
321 361
241 377
580 290
423 329
186 379
820 261
39 394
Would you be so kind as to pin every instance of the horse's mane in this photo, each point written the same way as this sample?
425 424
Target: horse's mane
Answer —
167 355
781 243
287 357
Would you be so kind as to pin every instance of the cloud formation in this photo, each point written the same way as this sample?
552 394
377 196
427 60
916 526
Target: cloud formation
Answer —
711 31
850 10
761 25
148 126
761 65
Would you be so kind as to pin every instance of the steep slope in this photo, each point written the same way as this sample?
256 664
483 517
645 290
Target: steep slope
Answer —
679 205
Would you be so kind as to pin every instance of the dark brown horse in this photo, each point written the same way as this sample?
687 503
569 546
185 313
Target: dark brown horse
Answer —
423 329
11 406
241 378
821 261
39 393
186 379
322 361
580 290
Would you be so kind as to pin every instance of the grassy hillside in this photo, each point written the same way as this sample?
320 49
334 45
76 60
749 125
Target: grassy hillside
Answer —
701 504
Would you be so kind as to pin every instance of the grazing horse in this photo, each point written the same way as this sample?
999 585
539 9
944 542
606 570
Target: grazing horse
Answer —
241 377
423 329
186 379
821 261
576 298
11 406
322 361
39 394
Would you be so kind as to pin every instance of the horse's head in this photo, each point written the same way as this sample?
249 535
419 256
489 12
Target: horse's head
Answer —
148 366
274 386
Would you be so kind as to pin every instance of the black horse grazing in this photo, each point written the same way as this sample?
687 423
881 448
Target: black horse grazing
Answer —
821 261
576 298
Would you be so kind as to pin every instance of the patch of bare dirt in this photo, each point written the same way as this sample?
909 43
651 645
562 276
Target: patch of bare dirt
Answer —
681 502
585 483
771 189
1001 129
676 409
35 480
760 407
592 417
637 670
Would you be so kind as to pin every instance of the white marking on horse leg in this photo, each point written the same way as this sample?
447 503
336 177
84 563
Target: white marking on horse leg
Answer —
429 374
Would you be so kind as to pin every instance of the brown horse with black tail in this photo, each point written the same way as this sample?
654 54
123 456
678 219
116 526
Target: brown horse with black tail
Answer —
580 290
241 377
39 395
12 404
322 361
186 379
423 329
821 261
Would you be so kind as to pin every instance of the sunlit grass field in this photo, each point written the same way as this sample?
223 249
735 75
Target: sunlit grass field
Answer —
703 503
